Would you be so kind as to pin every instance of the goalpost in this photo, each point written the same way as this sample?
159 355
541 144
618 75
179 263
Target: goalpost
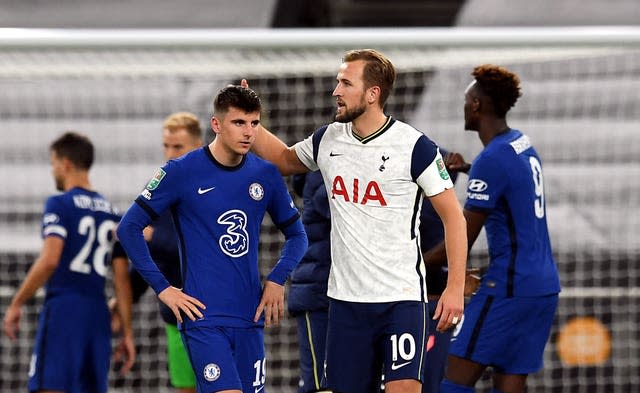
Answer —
580 107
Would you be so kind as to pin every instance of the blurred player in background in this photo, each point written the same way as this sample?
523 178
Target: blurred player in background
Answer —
73 342
307 298
432 233
507 323
218 196
378 170
181 133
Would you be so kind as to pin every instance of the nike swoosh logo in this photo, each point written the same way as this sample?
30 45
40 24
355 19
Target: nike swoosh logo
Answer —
256 390
395 366
204 190
332 154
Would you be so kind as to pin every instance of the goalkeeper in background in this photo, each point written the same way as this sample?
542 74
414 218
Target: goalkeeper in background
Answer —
181 133
507 322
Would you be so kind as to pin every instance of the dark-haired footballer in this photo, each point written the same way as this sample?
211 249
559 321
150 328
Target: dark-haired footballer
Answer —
218 196
507 323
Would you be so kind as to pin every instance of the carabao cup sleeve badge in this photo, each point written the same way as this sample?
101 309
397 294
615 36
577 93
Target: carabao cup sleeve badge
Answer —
156 179
442 169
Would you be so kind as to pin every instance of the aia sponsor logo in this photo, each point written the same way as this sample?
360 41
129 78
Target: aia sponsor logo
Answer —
357 191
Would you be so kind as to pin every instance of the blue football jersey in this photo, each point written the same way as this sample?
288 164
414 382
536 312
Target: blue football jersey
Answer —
86 221
217 212
506 181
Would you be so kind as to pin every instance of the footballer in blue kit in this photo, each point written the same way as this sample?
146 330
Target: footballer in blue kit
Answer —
218 196
507 323
72 349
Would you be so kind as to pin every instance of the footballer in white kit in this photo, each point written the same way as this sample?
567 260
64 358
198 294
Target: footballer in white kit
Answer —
377 287
376 171
379 179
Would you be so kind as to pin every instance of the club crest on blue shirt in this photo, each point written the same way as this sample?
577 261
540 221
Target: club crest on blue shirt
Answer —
211 372
256 191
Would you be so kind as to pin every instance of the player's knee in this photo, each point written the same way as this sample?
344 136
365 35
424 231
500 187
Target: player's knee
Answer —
447 386
402 386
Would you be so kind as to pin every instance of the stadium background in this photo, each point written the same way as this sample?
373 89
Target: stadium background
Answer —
581 107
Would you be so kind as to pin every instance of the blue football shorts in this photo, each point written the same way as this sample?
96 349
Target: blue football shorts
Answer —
437 352
226 358
72 350
312 338
366 340
508 334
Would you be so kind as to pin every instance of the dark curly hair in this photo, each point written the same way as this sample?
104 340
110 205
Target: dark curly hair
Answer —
500 85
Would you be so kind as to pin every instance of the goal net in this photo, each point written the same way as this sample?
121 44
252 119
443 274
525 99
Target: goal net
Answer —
580 107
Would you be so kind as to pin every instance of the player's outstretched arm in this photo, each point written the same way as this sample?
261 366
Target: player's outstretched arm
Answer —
451 304
37 276
272 148
125 351
272 303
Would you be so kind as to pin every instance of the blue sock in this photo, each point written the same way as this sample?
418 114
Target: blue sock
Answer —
447 386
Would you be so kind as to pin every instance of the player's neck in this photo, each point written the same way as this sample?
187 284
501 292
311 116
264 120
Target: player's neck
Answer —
369 122
224 156
492 127
77 180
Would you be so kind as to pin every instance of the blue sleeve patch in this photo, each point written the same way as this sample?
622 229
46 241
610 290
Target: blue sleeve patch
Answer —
487 181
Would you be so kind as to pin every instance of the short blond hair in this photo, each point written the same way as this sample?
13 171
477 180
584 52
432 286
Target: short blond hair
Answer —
186 120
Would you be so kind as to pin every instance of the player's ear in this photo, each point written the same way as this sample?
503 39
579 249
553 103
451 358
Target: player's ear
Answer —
215 125
476 104
67 165
372 94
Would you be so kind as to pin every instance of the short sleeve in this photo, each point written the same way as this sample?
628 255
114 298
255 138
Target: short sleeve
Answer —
434 178
487 182
307 149
52 219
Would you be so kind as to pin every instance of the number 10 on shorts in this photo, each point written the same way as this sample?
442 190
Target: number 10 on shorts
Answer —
403 347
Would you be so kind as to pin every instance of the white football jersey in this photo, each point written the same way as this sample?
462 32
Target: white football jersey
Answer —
375 187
